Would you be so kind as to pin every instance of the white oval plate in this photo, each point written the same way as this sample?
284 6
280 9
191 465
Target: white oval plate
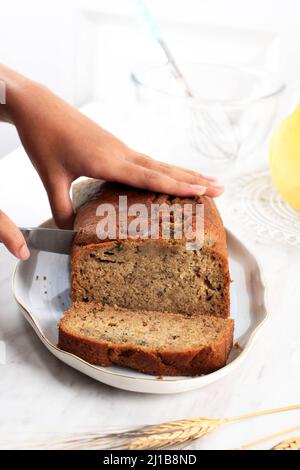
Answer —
41 287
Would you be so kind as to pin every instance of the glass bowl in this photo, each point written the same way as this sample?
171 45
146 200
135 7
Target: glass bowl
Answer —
229 115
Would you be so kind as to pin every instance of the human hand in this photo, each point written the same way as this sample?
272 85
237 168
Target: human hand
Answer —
63 144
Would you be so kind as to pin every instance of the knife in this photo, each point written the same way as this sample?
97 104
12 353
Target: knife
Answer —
49 239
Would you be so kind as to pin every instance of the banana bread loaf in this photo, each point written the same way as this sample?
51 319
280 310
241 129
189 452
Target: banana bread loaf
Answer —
150 342
148 274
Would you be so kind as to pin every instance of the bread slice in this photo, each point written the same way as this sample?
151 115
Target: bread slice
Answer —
151 342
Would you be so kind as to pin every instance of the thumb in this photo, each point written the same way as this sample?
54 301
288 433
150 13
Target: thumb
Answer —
61 203
12 238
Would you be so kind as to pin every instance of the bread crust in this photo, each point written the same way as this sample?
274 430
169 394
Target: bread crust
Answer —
190 362
86 219
87 239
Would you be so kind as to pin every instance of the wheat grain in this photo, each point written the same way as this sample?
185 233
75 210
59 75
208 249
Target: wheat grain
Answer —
173 434
290 444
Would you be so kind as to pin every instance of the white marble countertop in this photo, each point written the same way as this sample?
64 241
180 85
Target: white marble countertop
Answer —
38 393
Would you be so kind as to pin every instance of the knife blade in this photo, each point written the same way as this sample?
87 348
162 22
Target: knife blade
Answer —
49 239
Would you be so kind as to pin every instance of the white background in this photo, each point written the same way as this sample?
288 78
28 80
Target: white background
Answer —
85 50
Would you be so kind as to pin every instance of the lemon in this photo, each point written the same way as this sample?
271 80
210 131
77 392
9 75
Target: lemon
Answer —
284 159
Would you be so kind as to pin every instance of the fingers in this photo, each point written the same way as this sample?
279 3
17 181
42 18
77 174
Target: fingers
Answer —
61 203
213 188
12 238
171 170
145 178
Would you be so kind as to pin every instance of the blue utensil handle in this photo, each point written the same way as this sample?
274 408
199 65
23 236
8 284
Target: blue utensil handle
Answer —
156 34
149 20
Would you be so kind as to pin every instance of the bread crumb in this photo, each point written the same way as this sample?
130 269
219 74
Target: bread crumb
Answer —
238 346
160 377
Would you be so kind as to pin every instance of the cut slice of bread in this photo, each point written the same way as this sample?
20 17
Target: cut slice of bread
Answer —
158 343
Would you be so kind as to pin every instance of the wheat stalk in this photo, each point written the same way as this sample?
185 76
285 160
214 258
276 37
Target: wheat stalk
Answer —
173 433
161 436
290 444
179 432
